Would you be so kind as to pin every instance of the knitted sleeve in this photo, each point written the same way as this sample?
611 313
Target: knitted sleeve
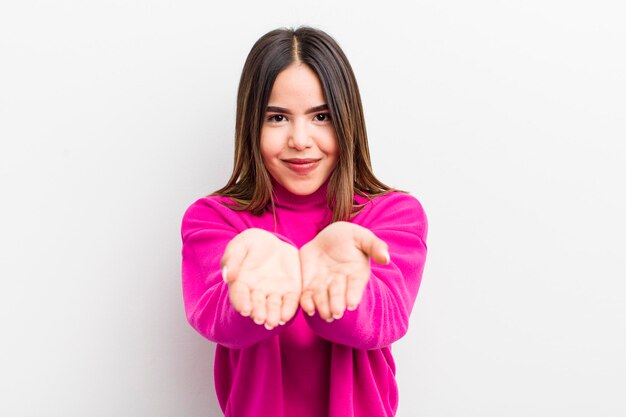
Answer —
382 317
207 227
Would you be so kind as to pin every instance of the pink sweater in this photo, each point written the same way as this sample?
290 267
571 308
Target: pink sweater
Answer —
308 367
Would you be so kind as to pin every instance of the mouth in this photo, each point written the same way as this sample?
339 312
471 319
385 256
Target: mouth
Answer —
301 165
301 161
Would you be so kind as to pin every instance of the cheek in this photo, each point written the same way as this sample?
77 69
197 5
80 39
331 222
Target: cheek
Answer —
269 146
332 146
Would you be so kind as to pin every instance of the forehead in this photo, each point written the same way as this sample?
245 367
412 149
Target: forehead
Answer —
297 86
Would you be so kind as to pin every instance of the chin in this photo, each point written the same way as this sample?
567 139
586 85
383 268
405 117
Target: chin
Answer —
303 189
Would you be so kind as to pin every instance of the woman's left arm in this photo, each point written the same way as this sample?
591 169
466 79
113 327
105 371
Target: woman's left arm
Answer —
340 264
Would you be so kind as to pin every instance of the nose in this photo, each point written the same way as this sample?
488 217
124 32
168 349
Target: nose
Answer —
299 136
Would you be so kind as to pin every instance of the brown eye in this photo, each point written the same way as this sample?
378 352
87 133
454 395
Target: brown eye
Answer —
276 118
322 117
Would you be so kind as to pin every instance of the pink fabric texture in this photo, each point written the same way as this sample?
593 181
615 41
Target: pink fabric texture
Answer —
307 367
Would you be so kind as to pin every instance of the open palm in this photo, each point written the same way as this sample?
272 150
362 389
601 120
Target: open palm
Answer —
263 274
335 268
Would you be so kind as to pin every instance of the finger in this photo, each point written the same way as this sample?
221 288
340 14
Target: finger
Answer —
337 296
372 246
239 295
259 313
234 254
272 306
355 286
320 297
289 307
307 303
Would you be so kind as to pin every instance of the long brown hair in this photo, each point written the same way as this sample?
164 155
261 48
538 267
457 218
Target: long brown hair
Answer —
250 185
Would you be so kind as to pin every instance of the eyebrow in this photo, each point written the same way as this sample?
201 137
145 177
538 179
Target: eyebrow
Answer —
276 109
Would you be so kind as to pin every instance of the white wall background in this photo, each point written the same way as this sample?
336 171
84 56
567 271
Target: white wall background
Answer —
505 118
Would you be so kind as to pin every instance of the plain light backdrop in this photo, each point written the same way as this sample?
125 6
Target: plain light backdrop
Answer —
506 119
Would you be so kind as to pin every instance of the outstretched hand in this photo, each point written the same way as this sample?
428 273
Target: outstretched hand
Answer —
267 277
263 276
335 268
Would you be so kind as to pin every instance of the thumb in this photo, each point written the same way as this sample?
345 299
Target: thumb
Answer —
373 246
234 254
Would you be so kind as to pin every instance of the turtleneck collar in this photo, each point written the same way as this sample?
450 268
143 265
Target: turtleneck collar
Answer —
286 199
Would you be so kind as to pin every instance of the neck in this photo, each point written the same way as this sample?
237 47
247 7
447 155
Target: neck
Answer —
285 198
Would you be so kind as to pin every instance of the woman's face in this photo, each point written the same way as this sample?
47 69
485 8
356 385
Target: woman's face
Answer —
298 142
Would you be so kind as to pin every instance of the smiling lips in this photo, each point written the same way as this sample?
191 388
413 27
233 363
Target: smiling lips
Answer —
301 165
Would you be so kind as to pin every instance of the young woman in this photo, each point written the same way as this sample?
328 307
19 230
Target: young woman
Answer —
277 264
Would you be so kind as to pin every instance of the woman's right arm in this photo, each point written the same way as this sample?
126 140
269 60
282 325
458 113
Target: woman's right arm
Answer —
207 229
